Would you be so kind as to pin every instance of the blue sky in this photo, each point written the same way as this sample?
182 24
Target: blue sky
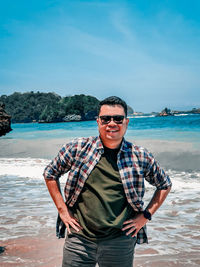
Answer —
147 52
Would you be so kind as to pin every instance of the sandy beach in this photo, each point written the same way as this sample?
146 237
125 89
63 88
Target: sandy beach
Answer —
42 250
46 251
29 237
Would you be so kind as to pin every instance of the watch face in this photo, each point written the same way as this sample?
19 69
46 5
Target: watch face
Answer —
147 214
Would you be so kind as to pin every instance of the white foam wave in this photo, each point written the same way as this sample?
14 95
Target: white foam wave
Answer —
178 115
33 168
23 167
142 116
185 180
182 182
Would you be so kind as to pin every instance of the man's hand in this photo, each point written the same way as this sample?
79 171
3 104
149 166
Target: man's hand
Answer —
69 220
65 215
134 225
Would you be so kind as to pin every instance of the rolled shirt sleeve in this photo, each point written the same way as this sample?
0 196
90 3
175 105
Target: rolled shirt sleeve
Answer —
59 165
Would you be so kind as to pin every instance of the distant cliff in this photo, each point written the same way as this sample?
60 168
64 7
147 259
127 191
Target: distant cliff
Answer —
5 121
50 107
71 108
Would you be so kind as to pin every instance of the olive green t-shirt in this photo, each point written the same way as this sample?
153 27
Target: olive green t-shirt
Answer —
102 206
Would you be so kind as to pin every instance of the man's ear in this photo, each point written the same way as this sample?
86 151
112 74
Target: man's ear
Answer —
127 121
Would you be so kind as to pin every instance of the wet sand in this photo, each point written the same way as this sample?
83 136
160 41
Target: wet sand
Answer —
46 251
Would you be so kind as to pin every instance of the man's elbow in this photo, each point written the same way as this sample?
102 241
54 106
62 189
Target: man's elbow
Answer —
164 190
167 189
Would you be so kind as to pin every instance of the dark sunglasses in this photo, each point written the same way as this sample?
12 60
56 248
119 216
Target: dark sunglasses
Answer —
118 119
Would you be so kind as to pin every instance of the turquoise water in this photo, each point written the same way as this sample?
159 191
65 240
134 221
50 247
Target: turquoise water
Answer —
179 128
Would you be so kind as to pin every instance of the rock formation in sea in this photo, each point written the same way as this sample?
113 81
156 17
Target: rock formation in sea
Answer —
5 121
165 112
72 117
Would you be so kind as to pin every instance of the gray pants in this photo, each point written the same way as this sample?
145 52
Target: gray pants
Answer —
116 252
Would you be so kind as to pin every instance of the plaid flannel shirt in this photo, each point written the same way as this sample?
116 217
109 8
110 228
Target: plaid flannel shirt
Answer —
79 157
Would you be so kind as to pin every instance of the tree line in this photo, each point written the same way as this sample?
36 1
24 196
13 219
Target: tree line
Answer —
48 107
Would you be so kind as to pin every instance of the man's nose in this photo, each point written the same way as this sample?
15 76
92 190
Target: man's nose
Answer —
112 122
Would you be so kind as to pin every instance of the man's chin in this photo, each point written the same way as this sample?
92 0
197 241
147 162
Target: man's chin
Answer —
112 136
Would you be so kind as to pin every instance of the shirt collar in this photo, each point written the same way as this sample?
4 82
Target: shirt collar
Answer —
125 146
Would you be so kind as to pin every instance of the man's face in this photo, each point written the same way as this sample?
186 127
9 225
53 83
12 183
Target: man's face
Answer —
112 132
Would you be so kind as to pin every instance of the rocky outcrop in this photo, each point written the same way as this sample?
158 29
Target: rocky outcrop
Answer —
184 112
195 111
130 111
5 121
72 117
165 112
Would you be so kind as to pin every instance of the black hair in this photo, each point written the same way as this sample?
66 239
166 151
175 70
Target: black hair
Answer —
112 101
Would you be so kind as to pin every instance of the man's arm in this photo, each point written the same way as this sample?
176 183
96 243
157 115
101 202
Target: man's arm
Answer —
65 215
157 200
135 224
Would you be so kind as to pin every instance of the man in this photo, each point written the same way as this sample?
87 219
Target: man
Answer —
104 213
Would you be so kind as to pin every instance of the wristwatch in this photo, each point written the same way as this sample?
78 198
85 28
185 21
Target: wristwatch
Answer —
147 215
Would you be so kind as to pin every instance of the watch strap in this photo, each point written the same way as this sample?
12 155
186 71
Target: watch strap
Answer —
147 215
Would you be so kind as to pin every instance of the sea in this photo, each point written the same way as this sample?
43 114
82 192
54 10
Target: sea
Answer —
26 209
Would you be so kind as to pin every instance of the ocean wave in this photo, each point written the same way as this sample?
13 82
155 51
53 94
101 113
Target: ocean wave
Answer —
182 182
23 167
33 168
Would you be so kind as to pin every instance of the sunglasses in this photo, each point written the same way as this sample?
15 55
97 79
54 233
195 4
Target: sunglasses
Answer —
118 119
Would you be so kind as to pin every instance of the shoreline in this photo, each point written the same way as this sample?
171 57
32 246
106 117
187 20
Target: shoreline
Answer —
175 155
